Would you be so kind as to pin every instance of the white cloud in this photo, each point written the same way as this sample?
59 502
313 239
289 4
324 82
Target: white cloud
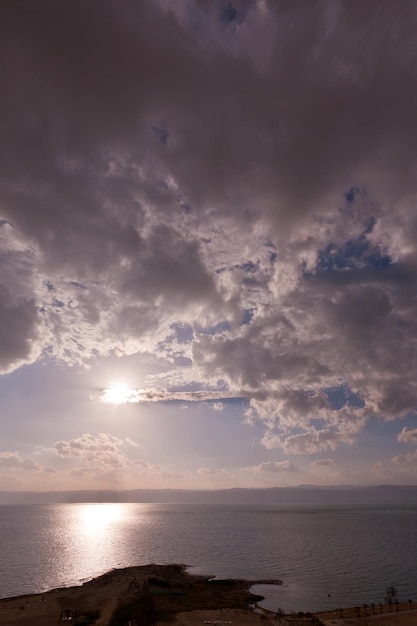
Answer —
211 471
13 460
277 466
103 450
309 442
408 435
405 459
318 463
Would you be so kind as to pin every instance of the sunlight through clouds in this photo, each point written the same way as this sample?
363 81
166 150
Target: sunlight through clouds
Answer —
233 232
118 393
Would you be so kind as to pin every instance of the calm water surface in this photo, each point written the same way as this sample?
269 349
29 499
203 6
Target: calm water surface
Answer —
350 553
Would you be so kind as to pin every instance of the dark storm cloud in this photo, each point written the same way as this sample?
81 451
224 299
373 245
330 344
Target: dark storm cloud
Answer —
96 79
171 267
188 163
18 329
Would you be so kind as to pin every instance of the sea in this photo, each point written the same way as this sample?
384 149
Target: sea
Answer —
327 556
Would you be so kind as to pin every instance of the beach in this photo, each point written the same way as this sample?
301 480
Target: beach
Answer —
177 598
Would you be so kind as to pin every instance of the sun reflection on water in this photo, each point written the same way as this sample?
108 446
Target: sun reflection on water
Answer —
96 538
98 520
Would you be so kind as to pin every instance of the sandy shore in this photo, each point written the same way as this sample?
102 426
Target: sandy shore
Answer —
178 599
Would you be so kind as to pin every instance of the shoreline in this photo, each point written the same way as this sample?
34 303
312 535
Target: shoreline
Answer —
179 598
171 587
148 569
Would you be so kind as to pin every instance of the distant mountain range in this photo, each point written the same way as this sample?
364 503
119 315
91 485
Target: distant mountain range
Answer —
275 495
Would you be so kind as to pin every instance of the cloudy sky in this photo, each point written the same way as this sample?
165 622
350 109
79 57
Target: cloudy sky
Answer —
208 243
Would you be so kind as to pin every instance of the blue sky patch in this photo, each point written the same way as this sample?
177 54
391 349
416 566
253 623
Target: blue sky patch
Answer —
161 132
75 283
186 207
343 395
247 317
229 14
353 254
351 194
248 266
183 332
49 285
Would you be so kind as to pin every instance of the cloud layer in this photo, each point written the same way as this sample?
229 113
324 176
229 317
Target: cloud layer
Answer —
229 186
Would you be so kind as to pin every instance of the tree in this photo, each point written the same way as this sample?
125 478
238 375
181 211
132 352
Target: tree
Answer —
391 594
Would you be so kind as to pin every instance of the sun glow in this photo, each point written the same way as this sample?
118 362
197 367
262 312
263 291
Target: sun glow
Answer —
119 393
99 516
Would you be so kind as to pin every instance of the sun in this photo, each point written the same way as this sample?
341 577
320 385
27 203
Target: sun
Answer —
118 393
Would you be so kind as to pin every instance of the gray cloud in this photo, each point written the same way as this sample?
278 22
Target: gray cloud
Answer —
165 395
18 329
248 176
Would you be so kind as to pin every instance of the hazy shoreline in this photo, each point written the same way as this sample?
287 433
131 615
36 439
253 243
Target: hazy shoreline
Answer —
303 494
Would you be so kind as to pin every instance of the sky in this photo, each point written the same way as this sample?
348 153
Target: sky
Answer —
208 243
